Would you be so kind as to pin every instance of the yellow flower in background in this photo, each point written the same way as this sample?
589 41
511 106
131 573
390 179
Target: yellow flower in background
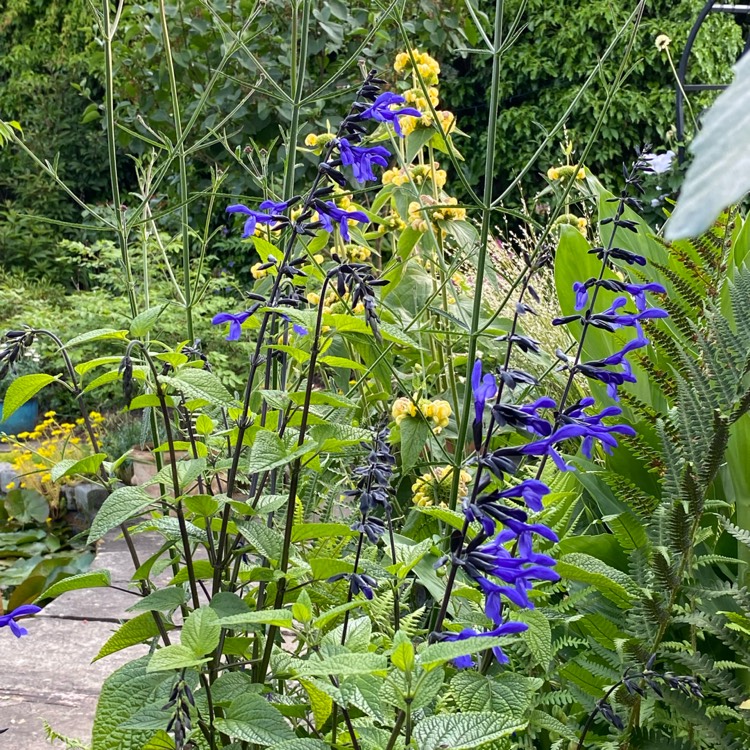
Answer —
426 66
553 174
10 486
50 414
403 407
259 273
581 174
566 171
357 253
434 487
441 412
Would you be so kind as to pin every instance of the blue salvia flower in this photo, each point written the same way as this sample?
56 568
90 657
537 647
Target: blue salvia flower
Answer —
531 491
253 218
483 388
9 620
235 321
526 416
362 158
380 110
464 662
330 213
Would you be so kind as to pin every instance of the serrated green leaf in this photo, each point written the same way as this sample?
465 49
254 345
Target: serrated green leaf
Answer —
341 665
463 731
302 532
609 581
123 694
538 637
175 656
402 655
122 504
188 471
131 633
145 321
91 580
202 569
269 452
201 631
415 432
251 718
280 617
161 600
70 466
98 334
202 385
509 695
22 389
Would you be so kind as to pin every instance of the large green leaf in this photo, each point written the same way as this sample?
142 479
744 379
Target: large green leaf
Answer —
415 432
612 583
269 452
26 506
201 384
341 665
22 389
161 600
131 633
463 731
201 631
175 656
91 580
507 694
71 466
123 694
280 617
122 504
251 718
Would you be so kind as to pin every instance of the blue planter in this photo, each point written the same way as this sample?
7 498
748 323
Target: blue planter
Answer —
23 419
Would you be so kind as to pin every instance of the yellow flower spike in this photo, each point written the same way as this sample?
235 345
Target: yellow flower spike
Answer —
311 140
313 298
23 435
46 477
401 409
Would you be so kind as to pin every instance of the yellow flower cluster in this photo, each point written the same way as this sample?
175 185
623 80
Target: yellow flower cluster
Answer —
438 411
317 141
566 171
579 222
446 119
335 304
56 441
391 223
444 211
426 67
434 488
416 98
419 174
258 272
357 253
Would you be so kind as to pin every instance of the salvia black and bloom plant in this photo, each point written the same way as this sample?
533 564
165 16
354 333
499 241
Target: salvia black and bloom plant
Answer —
441 511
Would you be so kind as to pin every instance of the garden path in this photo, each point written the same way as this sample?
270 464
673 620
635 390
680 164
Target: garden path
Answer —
48 674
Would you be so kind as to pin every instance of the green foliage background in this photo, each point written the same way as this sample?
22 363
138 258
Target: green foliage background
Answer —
50 81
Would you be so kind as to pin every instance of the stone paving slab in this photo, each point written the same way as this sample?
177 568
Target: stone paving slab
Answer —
48 675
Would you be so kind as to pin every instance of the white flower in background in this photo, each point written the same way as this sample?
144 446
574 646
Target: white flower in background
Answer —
659 163
662 42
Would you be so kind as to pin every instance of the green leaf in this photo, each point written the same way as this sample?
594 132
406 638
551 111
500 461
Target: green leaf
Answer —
97 334
251 718
612 583
342 362
202 569
538 637
440 653
402 655
26 506
124 693
201 631
415 432
176 656
341 665
628 530
122 504
91 580
70 466
302 532
280 617
301 744
145 321
130 633
188 471
22 389
507 694
161 600
201 384
269 452
463 731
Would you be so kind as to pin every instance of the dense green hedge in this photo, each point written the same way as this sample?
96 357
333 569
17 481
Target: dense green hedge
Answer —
50 80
